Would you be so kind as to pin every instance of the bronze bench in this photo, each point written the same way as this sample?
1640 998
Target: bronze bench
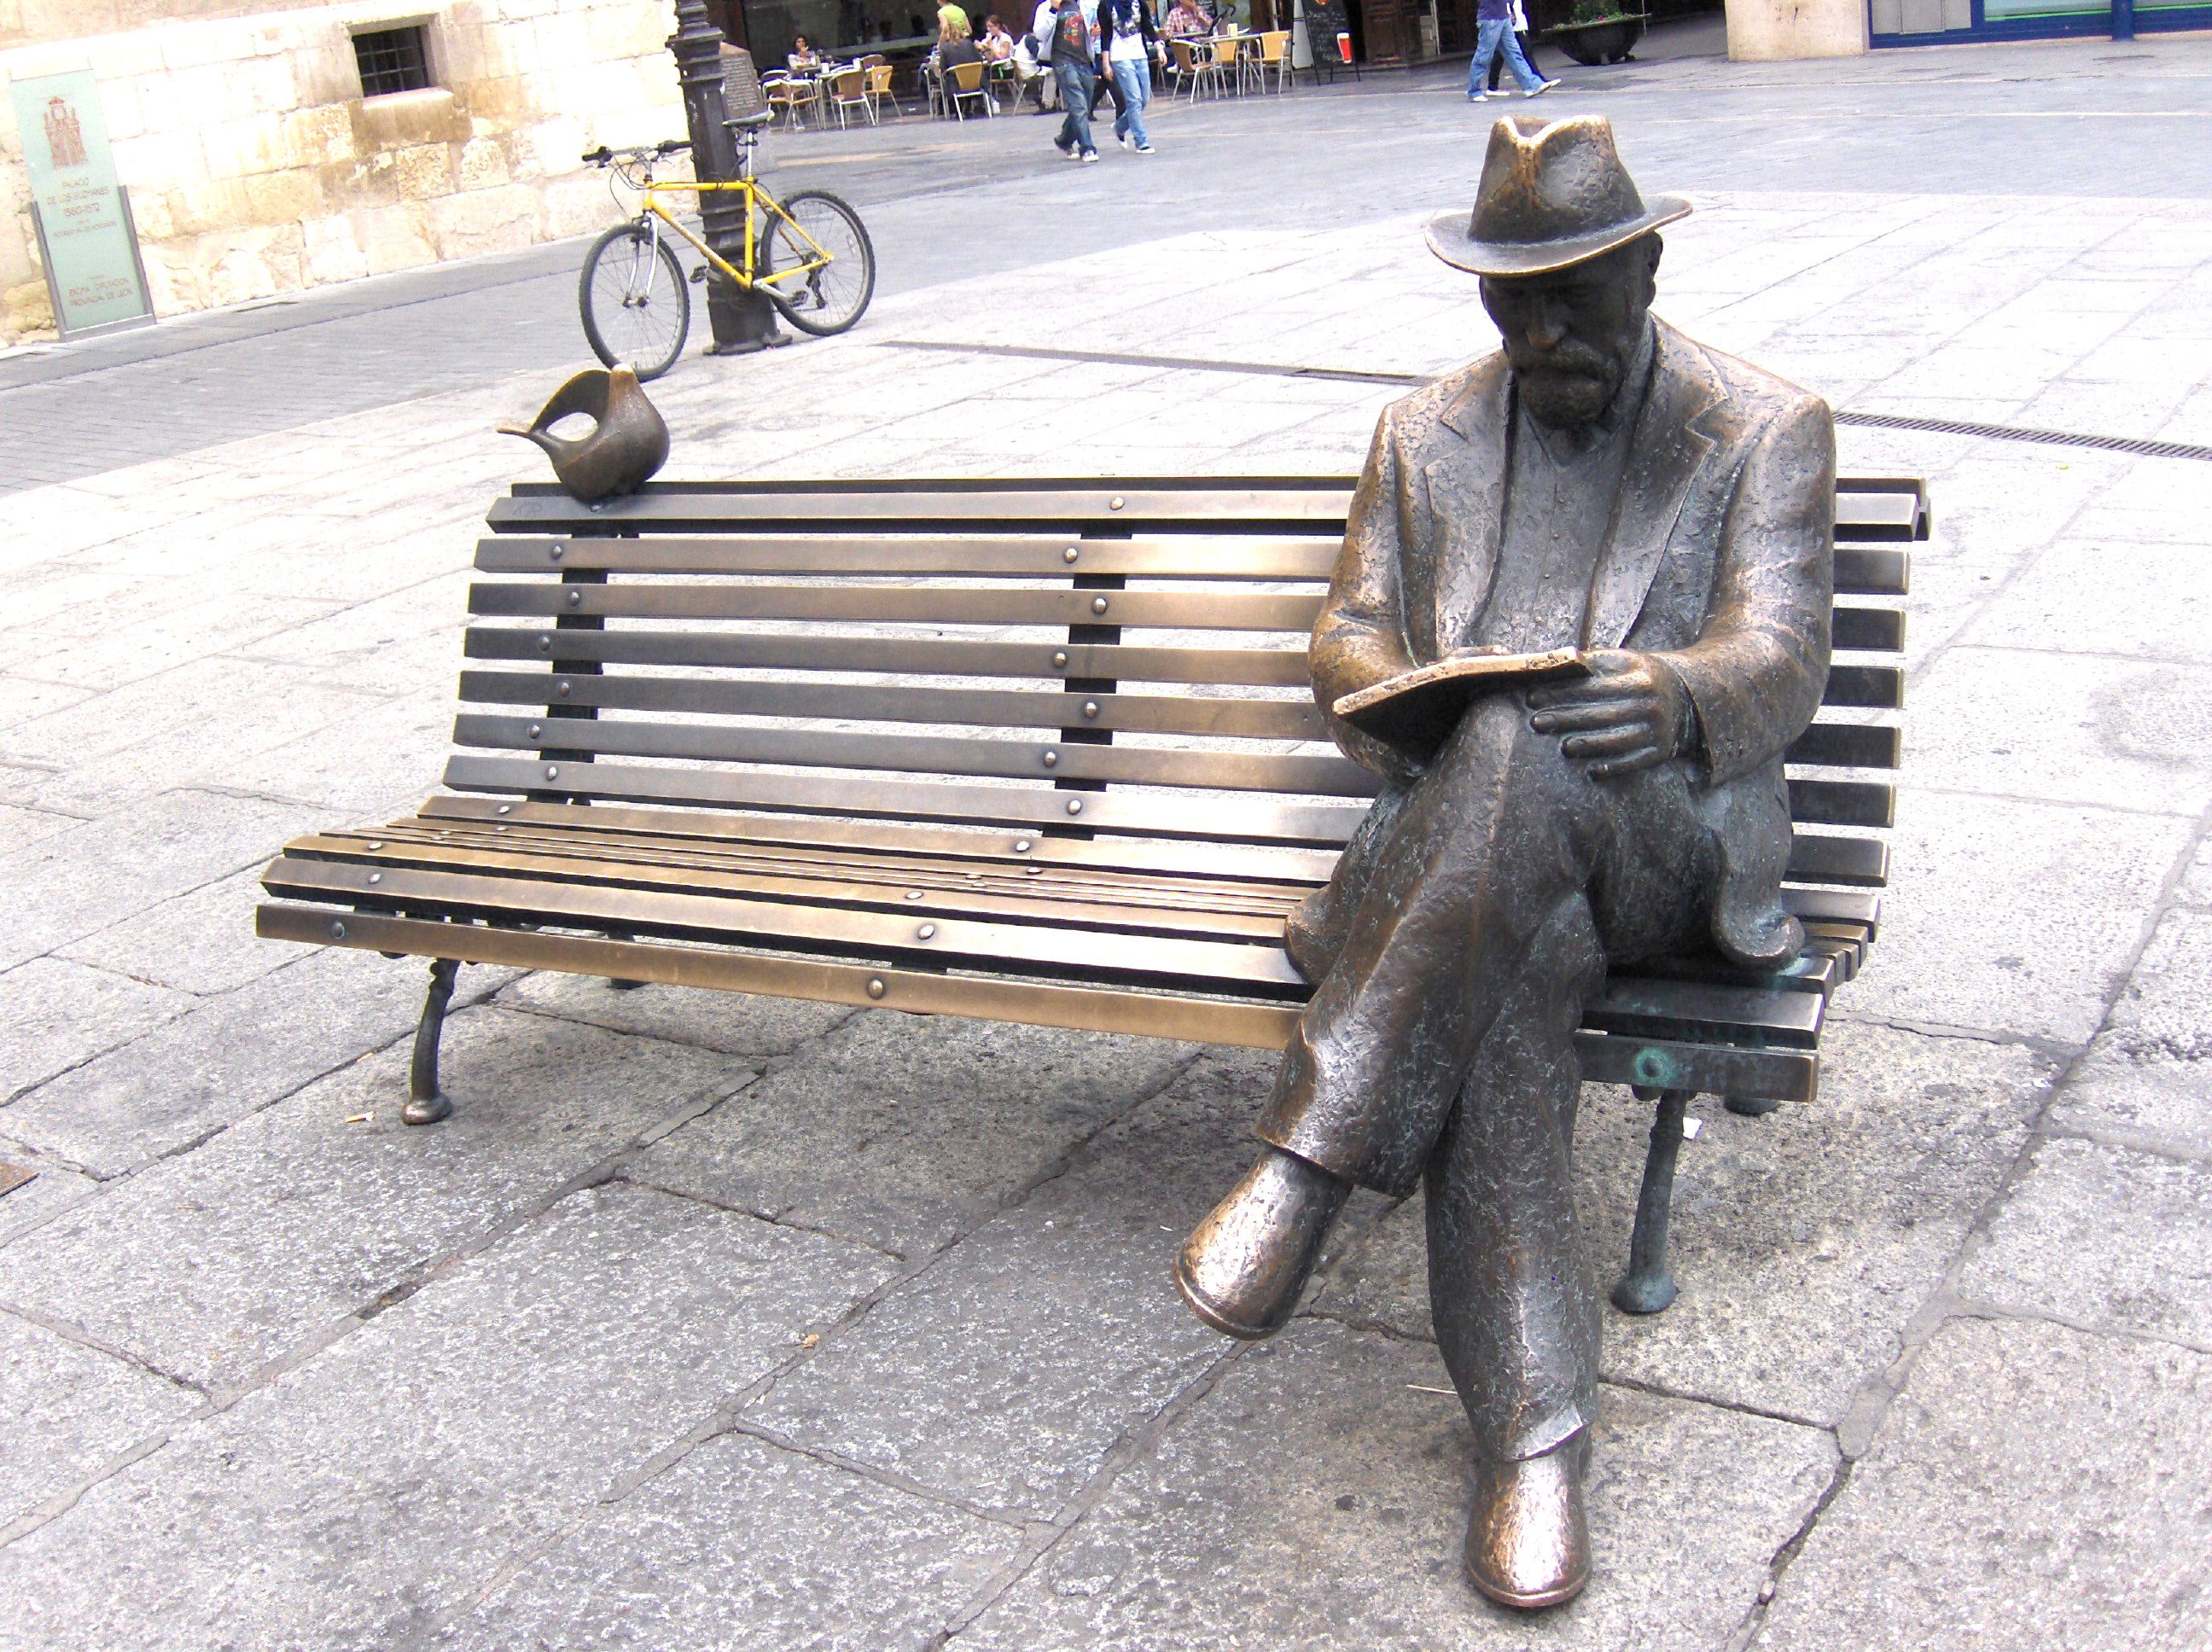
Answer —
1033 751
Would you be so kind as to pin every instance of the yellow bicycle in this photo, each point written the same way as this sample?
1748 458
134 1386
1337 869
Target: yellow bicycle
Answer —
810 256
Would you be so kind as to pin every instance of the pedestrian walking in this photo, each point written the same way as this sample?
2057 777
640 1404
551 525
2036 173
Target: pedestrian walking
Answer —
1493 32
1520 39
1039 40
1130 34
1071 58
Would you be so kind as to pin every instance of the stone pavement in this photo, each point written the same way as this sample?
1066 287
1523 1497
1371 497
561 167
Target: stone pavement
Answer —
951 203
716 1321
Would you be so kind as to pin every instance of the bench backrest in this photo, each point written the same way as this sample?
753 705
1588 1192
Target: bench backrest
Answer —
1069 658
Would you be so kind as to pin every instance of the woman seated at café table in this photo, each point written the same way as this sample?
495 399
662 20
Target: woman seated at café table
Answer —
1186 22
997 45
803 59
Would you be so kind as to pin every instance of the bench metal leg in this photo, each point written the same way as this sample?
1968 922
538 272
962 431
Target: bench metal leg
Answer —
1647 1287
426 1102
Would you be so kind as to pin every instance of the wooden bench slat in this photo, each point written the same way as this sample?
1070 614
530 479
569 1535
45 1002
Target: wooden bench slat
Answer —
1023 863
1843 803
906 604
1279 668
1653 1008
1828 858
1251 1023
1878 630
1089 952
1241 819
1237 771
1143 855
1778 1075
1026 557
1053 901
1878 688
1835 906
1090 505
1872 570
1046 709
1848 745
1702 1069
1860 569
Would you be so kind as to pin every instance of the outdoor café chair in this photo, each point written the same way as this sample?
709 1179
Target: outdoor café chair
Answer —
1274 54
967 81
787 96
879 88
849 89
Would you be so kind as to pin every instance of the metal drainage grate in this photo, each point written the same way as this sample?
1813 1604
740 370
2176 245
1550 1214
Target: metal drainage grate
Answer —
2136 445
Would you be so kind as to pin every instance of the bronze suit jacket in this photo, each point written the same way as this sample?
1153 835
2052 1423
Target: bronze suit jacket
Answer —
1718 559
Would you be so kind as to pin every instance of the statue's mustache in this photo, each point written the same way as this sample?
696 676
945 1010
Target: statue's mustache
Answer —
1564 360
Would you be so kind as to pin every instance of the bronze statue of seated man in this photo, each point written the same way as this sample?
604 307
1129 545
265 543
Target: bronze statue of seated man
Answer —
1603 485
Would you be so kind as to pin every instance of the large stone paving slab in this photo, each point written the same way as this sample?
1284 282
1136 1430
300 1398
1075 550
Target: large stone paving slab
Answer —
2032 1487
210 1265
65 1409
2107 1237
744 1547
1803 1242
55 1015
1006 1372
357 1501
73 882
226 1058
1316 1499
2148 1077
2012 917
903 1131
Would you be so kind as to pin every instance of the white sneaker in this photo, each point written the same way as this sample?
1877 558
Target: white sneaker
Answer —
1123 140
1144 148
1539 91
1496 92
1090 156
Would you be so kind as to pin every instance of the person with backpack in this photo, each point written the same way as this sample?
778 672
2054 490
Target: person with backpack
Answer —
1130 37
1071 58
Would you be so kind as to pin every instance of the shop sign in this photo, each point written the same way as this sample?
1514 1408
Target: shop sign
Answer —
86 237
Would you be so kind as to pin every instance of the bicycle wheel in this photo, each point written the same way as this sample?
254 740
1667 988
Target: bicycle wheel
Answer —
636 305
832 298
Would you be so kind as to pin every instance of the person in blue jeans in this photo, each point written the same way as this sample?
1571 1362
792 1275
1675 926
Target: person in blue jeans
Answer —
1126 29
1493 28
1072 56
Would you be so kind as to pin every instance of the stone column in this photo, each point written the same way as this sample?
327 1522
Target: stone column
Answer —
1767 30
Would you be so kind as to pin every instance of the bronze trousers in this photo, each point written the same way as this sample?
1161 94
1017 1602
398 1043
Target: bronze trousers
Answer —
1471 919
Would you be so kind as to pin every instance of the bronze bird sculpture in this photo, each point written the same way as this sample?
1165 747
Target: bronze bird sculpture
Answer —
628 444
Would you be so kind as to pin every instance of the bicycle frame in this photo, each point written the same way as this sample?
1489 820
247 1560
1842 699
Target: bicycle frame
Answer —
653 208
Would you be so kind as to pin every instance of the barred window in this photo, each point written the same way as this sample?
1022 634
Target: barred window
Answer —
393 60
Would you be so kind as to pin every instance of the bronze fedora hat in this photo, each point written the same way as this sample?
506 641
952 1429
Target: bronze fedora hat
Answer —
1553 194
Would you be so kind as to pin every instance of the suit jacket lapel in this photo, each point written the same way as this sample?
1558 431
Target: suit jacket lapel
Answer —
1668 446
1467 496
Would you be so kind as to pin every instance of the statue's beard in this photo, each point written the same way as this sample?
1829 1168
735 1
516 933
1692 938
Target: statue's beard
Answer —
1570 384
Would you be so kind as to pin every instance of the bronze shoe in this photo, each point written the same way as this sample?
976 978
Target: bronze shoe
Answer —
1528 1543
1243 1269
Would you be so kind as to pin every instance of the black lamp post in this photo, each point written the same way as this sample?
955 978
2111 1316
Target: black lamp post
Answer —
742 321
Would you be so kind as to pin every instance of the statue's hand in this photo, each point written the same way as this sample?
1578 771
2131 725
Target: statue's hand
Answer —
1629 713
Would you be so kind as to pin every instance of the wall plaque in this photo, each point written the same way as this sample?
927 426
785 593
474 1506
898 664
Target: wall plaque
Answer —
86 238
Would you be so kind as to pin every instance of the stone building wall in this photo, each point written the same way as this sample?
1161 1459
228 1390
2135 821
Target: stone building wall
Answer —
255 166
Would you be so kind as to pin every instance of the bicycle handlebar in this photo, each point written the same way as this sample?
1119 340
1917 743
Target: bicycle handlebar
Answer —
603 156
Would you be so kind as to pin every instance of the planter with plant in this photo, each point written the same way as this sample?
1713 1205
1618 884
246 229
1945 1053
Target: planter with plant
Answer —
1599 32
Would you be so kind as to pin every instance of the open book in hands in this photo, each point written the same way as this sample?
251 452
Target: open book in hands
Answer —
1415 711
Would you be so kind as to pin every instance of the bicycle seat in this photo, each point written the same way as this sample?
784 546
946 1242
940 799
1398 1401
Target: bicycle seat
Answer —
752 123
